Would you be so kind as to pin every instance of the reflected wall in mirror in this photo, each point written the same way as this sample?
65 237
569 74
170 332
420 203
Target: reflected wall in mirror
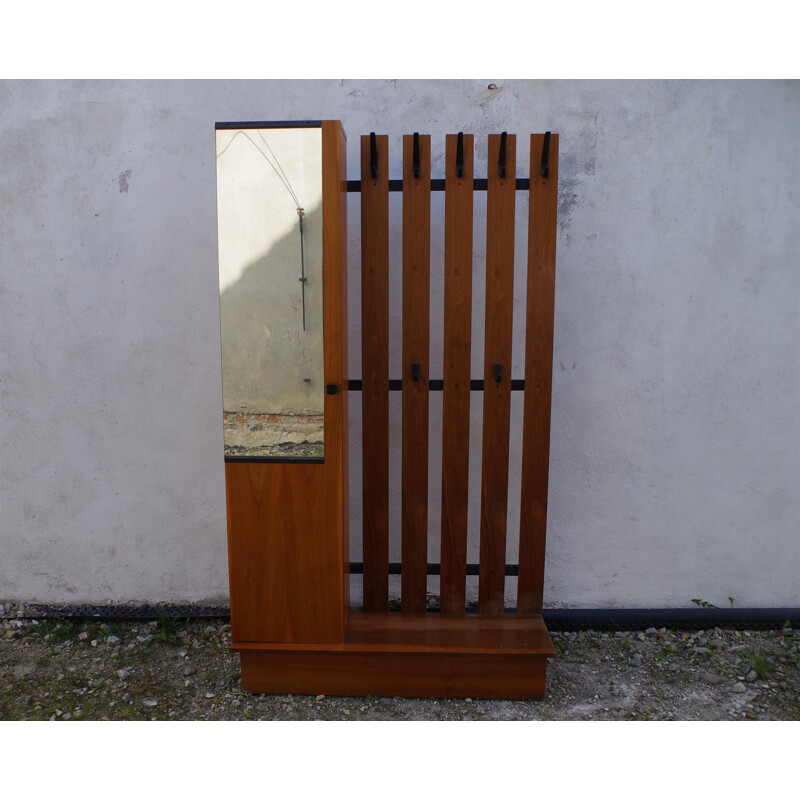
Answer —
269 213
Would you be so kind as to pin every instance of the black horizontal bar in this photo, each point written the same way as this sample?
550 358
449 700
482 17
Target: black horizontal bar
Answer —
434 385
556 619
631 619
276 459
125 612
438 185
300 123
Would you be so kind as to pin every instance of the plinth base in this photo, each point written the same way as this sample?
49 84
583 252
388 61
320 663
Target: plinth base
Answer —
403 655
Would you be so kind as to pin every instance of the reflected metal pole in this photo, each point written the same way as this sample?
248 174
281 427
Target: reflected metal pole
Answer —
300 214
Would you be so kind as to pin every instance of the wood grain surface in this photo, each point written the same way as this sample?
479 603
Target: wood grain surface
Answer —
288 522
457 354
284 554
375 373
334 254
416 335
500 212
402 674
410 655
542 234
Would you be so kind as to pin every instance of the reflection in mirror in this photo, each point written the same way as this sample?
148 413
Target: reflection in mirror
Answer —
269 213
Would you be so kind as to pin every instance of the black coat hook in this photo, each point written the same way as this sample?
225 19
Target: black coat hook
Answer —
415 372
416 155
373 155
460 156
544 169
501 163
498 373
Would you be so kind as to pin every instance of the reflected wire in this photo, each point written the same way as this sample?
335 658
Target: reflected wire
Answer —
283 179
279 167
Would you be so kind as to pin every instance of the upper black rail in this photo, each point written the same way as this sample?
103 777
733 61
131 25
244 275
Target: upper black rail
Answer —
438 185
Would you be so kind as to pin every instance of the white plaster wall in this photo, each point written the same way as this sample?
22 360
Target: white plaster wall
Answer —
675 454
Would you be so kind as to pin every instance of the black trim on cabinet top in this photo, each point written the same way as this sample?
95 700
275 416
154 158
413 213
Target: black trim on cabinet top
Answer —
300 123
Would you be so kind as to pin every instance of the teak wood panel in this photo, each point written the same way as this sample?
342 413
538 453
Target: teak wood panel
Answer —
334 260
375 372
538 376
395 674
456 393
284 553
288 522
497 393
452 634
415 350
426 632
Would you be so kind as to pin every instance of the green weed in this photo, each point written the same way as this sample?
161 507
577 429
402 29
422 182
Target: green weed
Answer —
705 604
788 633
760 663
118 629
58 629
167 630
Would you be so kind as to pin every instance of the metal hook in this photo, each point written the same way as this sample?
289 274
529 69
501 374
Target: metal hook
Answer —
498 373
415 372
373 155
460 156
501 163
544 168
416 155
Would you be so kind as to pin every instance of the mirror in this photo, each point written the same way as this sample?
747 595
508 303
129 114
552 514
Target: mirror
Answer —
269 214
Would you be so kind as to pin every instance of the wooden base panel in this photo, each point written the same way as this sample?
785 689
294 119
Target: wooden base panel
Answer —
394 675
398 655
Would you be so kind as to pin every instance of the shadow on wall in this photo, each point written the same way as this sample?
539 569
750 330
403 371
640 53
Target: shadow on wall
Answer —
270 364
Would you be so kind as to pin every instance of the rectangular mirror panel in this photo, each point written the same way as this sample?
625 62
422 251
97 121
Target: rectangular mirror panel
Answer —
269 212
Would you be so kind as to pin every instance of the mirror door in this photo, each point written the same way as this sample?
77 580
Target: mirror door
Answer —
269 210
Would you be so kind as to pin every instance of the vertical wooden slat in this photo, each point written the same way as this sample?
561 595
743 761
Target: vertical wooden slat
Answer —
538 376
416 334
345 407
497 394
457 351
375 372
334 309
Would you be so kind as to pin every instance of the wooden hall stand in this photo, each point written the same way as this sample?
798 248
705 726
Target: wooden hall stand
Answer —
288 516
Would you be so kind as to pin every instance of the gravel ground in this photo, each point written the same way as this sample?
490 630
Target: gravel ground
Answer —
63 669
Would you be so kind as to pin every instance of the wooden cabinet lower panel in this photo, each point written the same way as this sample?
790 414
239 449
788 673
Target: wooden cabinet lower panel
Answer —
286 552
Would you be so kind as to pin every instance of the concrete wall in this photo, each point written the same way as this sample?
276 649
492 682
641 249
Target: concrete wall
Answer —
675 455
